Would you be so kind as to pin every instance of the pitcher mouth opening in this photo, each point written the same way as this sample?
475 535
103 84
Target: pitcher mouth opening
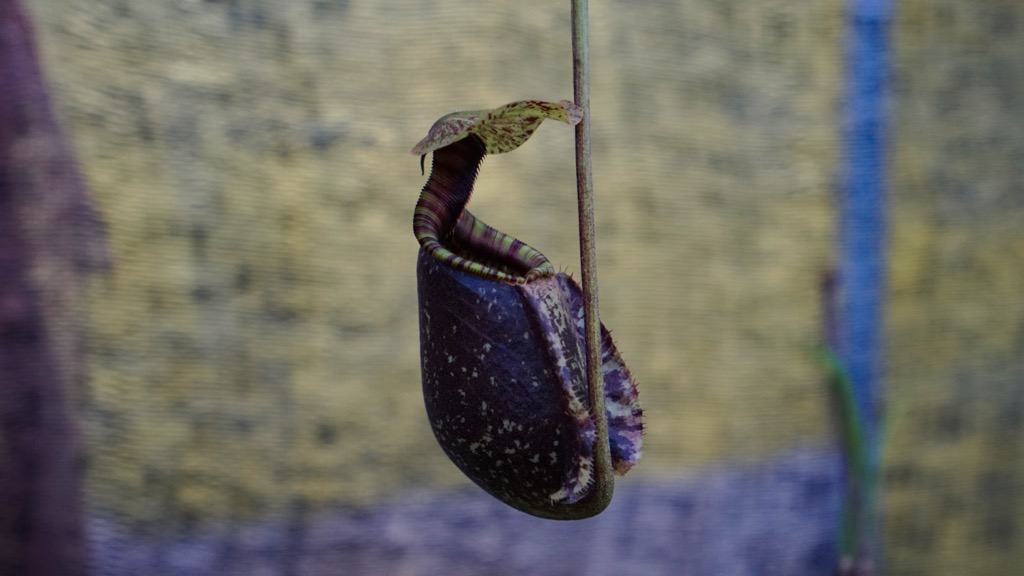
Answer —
516 271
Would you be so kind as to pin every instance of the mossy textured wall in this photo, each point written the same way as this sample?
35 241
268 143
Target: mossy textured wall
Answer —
955 477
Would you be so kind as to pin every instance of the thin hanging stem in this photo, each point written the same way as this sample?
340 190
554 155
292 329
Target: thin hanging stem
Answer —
605 482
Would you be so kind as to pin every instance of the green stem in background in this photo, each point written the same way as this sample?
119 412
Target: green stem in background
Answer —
859 514
605 482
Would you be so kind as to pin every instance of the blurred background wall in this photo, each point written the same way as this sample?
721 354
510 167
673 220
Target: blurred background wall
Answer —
253 348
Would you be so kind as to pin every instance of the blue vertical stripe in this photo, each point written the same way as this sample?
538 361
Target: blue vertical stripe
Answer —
862 205
861 262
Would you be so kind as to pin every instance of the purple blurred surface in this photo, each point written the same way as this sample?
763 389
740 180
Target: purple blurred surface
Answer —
778 517
48 234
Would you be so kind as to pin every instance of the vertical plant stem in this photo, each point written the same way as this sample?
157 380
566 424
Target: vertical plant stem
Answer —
604 481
